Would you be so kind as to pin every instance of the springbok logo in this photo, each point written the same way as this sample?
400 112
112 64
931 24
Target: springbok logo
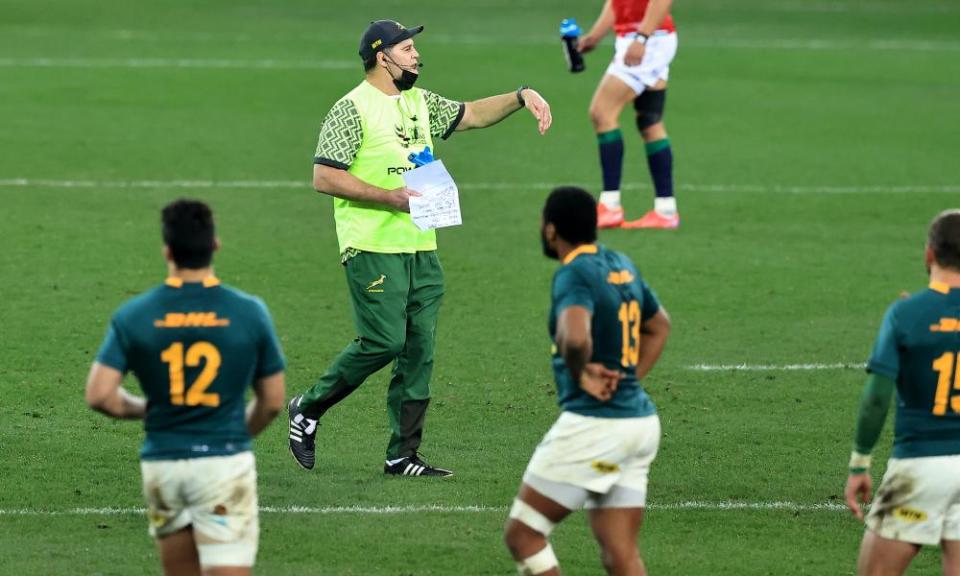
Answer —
375 286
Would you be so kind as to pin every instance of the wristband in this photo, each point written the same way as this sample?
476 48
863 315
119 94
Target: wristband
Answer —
640 37
859 463
520 99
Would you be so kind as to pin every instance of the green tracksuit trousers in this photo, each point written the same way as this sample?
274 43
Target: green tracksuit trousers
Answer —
396 298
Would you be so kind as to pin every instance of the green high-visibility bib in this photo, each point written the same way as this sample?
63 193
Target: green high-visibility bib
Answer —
371 134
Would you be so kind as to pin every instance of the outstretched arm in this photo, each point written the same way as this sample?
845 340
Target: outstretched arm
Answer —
489 111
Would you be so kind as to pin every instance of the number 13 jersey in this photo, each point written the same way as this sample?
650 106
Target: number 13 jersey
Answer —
607 284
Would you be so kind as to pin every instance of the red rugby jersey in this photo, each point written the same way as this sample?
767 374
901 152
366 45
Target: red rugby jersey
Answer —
629 13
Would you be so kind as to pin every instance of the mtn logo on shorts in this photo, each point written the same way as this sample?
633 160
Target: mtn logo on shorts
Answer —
909 514
605 467
191 320
621 277
946 325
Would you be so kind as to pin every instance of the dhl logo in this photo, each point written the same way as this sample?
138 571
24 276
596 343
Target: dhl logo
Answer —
191 320
621 277
946 325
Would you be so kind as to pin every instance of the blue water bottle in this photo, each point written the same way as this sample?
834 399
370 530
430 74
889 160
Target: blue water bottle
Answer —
569 35
423 158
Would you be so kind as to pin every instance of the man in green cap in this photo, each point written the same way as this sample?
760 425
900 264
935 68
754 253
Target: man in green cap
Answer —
393 272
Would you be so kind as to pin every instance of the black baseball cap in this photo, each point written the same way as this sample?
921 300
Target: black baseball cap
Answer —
383 34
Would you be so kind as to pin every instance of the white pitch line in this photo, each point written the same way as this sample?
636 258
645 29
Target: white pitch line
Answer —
774 367
125 184
731 505
414 509
825 44
280 64
305 185
873 7
692 40
201 63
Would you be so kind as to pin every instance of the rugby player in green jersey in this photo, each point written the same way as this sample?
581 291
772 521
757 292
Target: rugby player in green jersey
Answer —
915 355
609 330
196 347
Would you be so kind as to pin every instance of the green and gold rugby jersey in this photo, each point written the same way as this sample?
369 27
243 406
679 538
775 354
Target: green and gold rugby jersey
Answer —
195 348
371 134
918 347
607 284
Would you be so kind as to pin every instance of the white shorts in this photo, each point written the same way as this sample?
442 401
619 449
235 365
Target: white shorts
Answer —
655 66
918 500
216 494
595 462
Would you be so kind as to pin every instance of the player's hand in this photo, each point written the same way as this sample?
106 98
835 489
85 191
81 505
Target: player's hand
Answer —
399 198
599 381
587 43
539 108
859 487
634 54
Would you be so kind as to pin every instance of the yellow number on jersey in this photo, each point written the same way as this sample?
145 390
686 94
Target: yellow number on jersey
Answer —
946 367
630 321
197 394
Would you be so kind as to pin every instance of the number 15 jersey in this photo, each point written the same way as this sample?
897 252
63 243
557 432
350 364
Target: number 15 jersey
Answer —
195 348
607 284
918 347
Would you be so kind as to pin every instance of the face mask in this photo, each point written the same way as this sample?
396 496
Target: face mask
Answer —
406 80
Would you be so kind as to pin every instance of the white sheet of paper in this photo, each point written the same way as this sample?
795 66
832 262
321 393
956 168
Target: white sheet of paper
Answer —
439 203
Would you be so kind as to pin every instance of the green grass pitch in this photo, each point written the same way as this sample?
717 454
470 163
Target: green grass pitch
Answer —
814 140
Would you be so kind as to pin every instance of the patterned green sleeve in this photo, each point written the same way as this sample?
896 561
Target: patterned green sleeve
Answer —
445 114
340 136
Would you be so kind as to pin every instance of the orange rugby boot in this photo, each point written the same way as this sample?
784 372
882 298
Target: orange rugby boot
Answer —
654 220
609 217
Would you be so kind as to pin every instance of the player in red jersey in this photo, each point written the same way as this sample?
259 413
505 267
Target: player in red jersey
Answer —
645 46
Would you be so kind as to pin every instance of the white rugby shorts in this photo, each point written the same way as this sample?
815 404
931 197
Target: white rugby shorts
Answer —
591 462
655 66
918 500
216 494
